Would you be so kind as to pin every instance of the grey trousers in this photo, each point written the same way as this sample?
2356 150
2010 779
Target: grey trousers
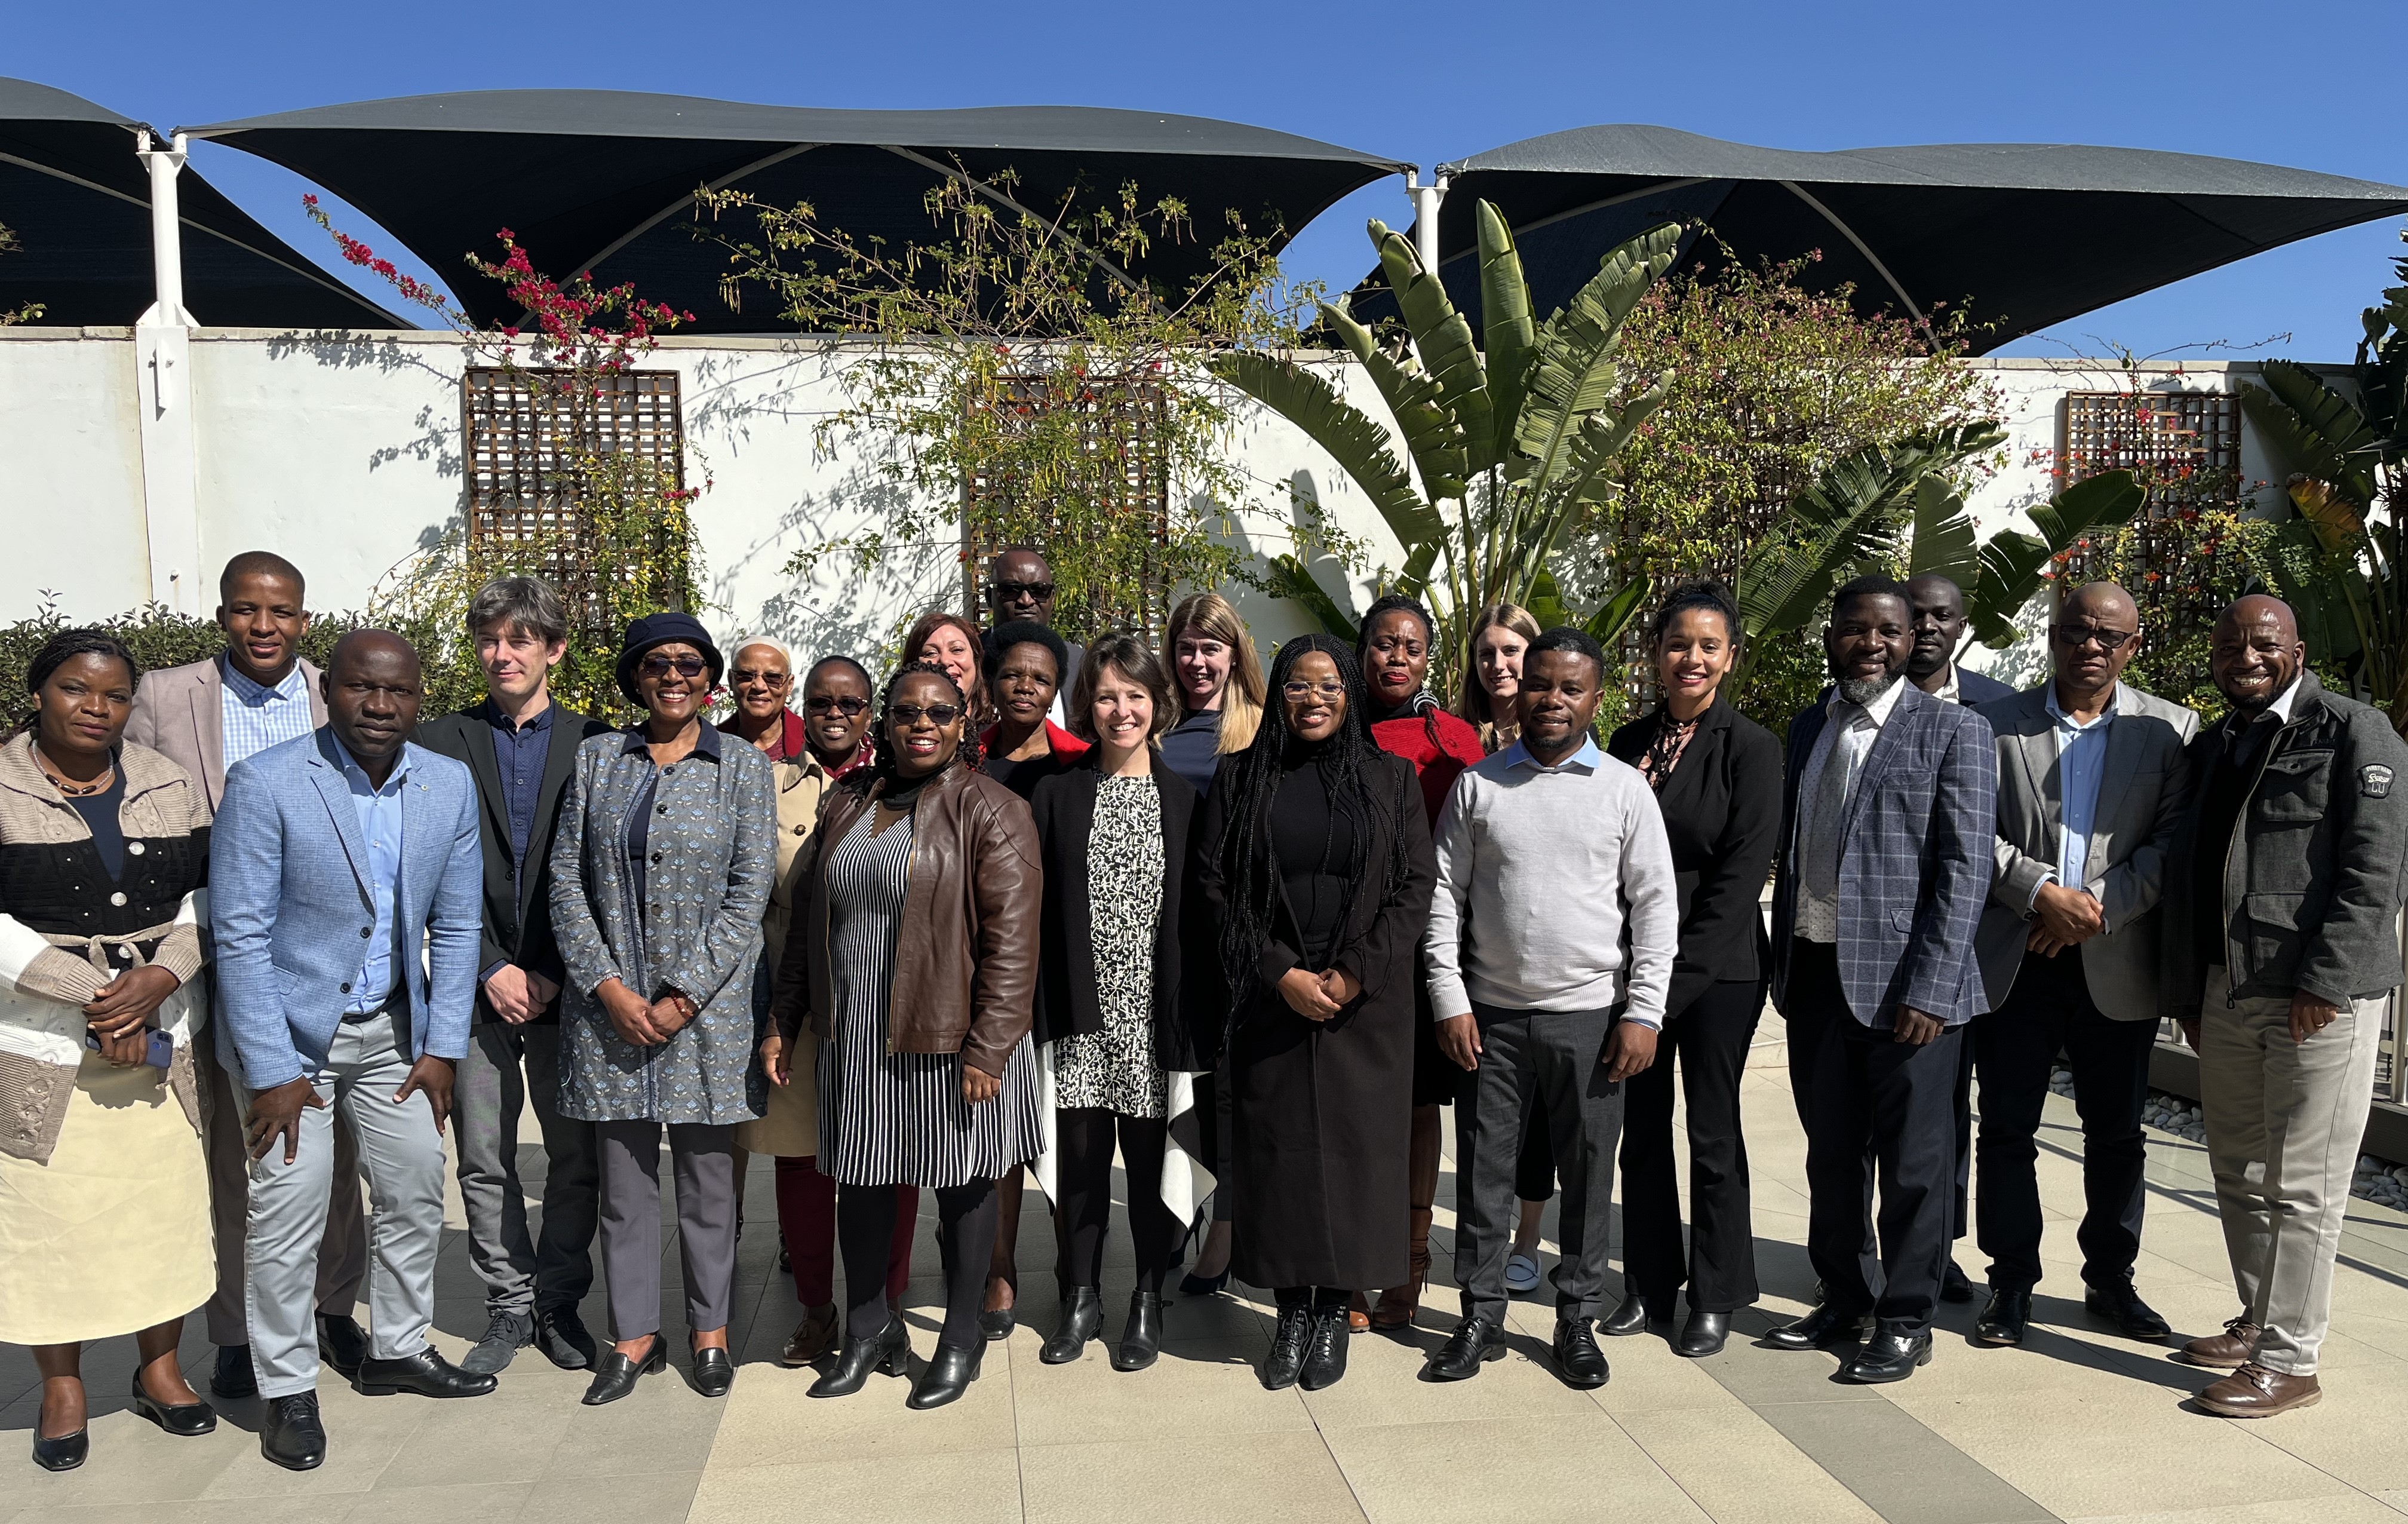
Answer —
506 1068
403 1155
1536 1060
2284 1122
342 1257
703 1158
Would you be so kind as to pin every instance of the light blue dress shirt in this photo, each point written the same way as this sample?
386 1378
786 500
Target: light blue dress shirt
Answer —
379 815
2081 761
253 717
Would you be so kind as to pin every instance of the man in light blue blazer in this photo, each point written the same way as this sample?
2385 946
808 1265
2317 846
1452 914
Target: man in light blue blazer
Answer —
335 858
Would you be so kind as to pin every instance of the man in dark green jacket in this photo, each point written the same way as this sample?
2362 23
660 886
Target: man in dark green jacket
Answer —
2281 941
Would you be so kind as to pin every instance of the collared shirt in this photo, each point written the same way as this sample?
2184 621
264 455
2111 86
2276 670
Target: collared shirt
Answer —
378 810
251 717
1948 690
2081 762
1847 738
520 751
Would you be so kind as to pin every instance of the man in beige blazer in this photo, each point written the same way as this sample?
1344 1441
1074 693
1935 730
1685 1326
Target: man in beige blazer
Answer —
207 716
2092 785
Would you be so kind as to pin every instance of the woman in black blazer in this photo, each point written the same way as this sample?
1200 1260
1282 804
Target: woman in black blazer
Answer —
1112 831
1717 777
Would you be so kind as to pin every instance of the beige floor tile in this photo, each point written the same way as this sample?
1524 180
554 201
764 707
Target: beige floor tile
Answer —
653 1430
1382 1387
967 1486
1213 1389
1531 1470
480 1440
649 1498
2347 1508
418 1504
769 1421
2353 1434
1739 1468
1272 1479
317 1510
131 1462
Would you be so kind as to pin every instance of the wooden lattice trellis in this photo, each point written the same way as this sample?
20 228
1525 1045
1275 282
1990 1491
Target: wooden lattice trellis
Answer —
1126 475
529 433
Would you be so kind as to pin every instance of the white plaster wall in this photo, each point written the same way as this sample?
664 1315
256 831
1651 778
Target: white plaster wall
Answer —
70 473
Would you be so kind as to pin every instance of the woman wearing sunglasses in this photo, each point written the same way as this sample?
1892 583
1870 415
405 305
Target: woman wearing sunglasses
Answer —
912 960
662 868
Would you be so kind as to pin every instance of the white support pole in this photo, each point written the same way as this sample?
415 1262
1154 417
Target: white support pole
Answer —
162 366
1425 199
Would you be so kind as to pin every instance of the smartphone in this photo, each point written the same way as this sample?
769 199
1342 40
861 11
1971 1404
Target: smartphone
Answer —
159 1054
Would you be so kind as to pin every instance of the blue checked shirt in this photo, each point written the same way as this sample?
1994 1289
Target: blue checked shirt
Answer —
379 815
253 717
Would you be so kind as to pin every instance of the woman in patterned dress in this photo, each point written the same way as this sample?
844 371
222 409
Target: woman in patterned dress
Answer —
1114 834
912 959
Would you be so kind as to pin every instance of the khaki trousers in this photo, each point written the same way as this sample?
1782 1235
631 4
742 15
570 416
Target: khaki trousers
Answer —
2284 1122
342 1256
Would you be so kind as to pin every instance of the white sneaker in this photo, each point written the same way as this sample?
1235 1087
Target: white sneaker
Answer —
1521 1272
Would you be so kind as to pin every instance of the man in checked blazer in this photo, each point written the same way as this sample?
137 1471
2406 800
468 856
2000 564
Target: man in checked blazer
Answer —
1888 812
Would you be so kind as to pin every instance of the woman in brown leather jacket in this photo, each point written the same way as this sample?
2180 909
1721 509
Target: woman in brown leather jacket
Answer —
912 957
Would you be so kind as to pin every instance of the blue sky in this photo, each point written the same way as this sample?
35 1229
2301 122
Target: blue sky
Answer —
1413 82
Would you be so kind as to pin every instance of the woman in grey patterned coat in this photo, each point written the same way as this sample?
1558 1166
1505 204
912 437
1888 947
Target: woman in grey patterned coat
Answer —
661 869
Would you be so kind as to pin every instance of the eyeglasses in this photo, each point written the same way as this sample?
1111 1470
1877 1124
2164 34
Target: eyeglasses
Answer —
940 715
1014 592
766 679
1298 692
688 667
2077 636
846 706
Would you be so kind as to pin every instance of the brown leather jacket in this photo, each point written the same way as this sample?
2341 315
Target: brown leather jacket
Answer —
966 958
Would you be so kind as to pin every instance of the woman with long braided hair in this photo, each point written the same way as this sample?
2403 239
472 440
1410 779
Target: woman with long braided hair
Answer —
1320 883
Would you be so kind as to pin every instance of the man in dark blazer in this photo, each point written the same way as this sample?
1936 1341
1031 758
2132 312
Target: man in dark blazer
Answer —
2093 784
521 747
1887 823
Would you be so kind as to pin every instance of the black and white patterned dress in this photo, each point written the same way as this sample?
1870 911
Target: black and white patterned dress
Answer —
1115 1068
899 1119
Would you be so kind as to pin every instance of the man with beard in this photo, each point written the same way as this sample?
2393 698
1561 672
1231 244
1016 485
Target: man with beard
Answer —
1888 817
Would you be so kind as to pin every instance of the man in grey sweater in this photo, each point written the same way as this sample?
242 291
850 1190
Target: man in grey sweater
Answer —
1550 949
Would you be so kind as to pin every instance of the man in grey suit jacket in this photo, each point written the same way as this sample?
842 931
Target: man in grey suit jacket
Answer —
336 858
206 717
2092 786
1888 814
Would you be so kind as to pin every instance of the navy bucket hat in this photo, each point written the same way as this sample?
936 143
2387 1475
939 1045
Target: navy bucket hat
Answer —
661 630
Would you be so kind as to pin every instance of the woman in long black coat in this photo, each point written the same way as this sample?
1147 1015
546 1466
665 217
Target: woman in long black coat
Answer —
1320 879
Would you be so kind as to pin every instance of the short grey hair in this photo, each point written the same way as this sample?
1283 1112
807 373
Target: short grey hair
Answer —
519 604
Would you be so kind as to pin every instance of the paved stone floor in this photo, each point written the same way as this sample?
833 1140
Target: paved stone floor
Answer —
2078 1425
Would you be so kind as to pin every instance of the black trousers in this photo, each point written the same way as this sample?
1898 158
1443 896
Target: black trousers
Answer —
967 1221
2050 1010
1083 1175
1872 1094
1710 1041
1960 1221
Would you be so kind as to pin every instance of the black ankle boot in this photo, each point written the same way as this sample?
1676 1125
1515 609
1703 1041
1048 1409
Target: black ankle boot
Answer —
1324 1353
1285 1361
888 1351
950 1372
1142 1336
1083 1318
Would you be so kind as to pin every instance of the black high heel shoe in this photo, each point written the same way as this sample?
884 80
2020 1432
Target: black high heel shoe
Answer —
188 1421
1193 1285
64 1453
888 1351
1142 1336
617 1375
949 1374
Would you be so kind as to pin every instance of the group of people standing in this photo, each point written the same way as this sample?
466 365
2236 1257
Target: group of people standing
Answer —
1023 906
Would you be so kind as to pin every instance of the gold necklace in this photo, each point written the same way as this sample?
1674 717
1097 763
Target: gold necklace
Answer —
74 791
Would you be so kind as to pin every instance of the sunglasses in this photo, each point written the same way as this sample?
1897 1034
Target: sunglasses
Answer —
2077 635
686 666
1012 592
764 677
846 706
940 715
1301 691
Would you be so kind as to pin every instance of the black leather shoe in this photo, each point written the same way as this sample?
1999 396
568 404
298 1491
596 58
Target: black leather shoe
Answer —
292 1437
949 1374
2006 1319
1821 1329
1142 1336
1632 1317
1578 1360
1474 1343
1083 1318
426 1373
64 1453
714 1372
1888 1356
617 1375
233 1378
2121 1305
342 1343
1285 1362
188 1421
1953 1285
888 1351
562 1335
1193 1285
998 1324
1703 1334
1324 1353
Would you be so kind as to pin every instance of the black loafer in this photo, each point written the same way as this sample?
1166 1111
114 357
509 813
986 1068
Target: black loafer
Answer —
1285 1362
563 1337
1142 1336
233 1378
1703 1334
949 1374
888 1351
342 1343
426 1373
1954 1285
188 1421
998 1324
617 1375
1821 1329
1887 1358
292 1437
1632 1317
64 1453
1083 1318
1474 1343
1324 1353
2121 1305
2005 1319
1578 1360
713 1372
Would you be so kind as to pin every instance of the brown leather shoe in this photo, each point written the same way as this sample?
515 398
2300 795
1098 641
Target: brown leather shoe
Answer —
2226 1351
2252 1391
813 1337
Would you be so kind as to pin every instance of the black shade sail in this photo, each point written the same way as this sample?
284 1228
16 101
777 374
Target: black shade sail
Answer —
604 180
2027 234
79 202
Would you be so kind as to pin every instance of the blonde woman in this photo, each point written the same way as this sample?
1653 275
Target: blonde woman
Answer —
1219 679
1499 636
